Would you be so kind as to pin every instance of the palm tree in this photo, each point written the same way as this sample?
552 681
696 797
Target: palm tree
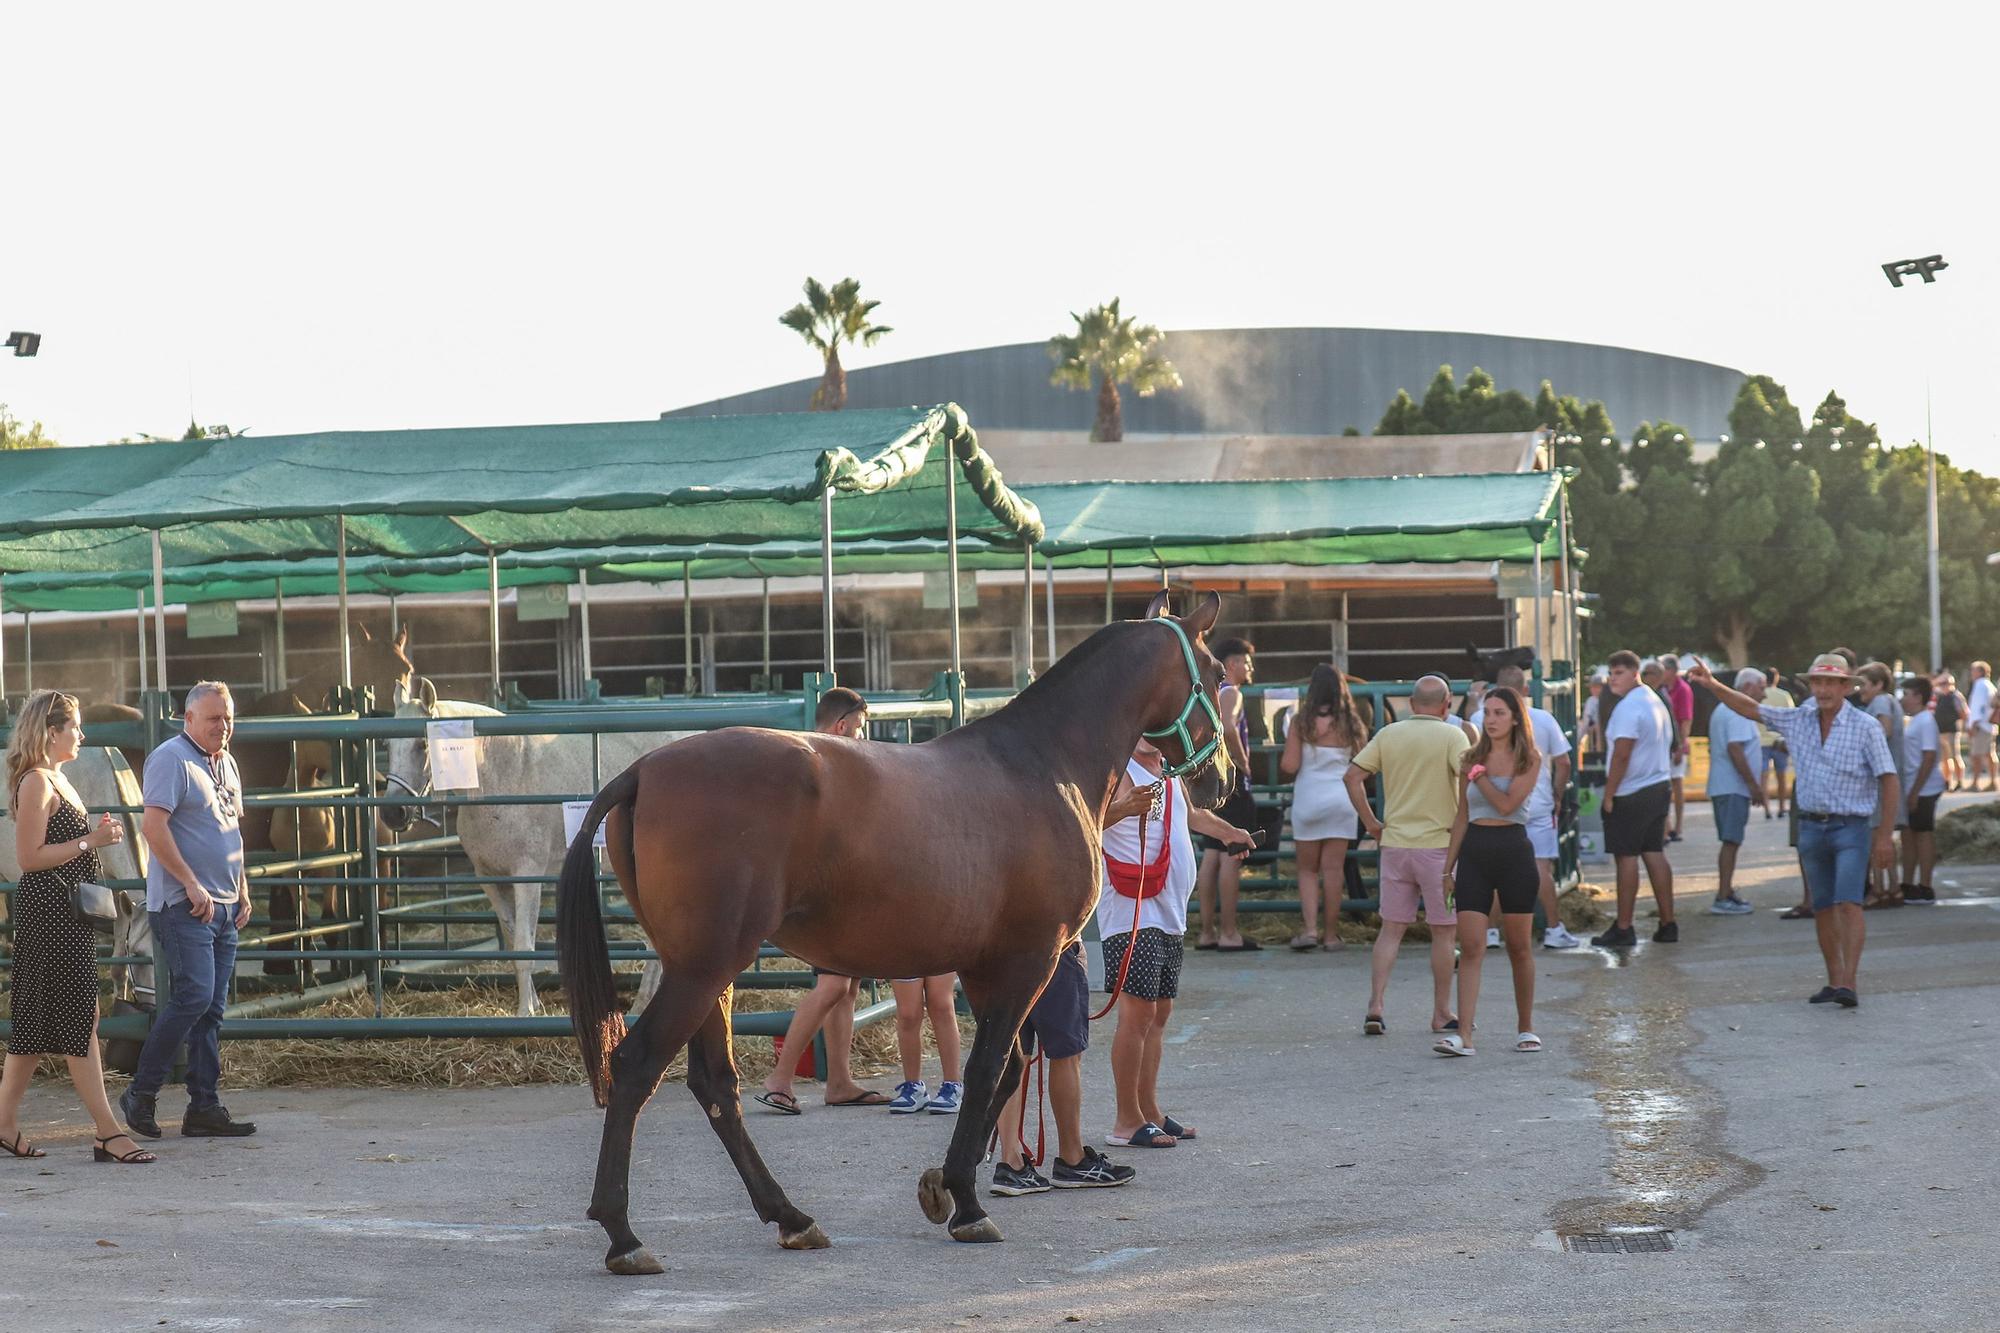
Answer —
826 319
1111 350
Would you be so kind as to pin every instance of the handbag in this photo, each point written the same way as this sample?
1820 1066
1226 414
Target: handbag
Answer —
96 906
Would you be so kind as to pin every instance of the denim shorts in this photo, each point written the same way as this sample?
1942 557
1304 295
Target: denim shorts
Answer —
1732 816
1834 854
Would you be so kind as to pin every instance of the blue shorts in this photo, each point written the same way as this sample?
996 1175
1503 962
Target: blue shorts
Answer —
1834 853
1732 815
1060 1021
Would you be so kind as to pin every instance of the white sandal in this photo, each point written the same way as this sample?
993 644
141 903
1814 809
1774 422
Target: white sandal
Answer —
1527 1043
1450 1044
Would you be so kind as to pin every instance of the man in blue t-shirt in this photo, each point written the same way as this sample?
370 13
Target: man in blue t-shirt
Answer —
1735 783
197 899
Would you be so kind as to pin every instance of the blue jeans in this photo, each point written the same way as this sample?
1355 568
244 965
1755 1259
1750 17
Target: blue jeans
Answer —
1834 854
201 959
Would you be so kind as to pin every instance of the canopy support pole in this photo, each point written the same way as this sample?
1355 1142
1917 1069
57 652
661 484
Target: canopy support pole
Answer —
284 671
395 619
687 627
1538 603
493 624
951 566
139 621
1570 644
1028 617
340 582
1049 605
159 611
825 584
1107 587
766 599
27 656
583 610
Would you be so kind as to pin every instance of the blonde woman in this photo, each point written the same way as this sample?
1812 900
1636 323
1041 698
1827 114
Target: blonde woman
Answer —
55 954
1490 864
1321 741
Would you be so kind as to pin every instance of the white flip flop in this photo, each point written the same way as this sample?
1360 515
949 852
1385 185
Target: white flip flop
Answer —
1527 1043
1450 1044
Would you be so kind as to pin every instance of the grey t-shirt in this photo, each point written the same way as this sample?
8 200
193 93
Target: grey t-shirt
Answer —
202 800
1882 706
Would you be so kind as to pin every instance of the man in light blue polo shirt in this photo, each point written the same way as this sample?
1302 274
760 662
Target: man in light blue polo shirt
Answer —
1735 783
197 899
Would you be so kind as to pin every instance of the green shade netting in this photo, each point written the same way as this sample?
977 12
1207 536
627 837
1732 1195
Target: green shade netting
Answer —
685 481
1501 517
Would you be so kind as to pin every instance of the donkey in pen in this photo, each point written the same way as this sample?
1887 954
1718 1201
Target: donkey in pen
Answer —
976 853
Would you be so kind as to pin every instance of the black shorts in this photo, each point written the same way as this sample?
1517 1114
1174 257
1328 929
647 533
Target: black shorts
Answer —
1496 861
1156 964
1924 818
1060 1021
1637 822
1241 811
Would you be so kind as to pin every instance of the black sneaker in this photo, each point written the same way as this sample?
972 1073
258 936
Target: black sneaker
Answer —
1845 997
1824 995
141 1113
1920 893
1669 933
213 1122
1010 1183
1093 1171
1617 937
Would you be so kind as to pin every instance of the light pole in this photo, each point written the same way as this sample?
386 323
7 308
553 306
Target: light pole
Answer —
1926 268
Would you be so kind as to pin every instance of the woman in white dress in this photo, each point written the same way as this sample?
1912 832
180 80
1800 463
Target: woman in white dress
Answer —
1325 732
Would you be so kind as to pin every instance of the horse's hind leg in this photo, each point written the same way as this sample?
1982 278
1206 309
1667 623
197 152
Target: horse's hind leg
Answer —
637 1066
712 1080
999 1004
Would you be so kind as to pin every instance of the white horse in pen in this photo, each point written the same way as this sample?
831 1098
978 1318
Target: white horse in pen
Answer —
509 841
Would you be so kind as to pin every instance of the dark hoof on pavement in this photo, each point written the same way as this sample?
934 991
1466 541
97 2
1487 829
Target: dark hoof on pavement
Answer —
812 1238
934 1198
981 1232
634 1263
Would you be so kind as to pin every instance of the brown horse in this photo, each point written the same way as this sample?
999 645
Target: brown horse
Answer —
977 853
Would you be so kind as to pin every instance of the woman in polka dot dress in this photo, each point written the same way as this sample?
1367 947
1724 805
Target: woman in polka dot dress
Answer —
55 977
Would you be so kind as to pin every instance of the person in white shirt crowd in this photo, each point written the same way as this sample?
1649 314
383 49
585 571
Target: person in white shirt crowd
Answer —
1735 783
1544 807
1593 714
1875 694
1980 699
1637 794
1845 775
1921 754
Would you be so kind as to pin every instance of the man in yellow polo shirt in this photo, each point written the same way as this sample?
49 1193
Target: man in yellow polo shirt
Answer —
1418 761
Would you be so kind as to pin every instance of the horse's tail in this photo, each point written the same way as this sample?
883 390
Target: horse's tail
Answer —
581 948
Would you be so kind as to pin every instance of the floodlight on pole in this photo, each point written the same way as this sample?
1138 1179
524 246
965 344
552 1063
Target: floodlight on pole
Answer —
1927 268
24 344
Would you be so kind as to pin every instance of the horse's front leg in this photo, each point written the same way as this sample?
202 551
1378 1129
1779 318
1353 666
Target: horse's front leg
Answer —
999 1005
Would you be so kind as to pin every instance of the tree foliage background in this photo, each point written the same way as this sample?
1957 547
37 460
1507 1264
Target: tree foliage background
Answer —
1797 535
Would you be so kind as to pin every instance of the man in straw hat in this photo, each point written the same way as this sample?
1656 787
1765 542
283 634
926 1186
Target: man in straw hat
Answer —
1845 776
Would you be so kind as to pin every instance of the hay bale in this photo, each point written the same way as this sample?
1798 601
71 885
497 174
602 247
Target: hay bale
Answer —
1970 835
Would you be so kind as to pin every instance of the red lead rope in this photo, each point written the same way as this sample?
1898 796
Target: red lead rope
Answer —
1117 988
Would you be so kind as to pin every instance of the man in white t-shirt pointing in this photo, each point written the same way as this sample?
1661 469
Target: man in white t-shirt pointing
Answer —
1638 794
1543 822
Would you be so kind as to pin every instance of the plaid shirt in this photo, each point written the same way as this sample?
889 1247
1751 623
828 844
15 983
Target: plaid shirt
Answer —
1836 776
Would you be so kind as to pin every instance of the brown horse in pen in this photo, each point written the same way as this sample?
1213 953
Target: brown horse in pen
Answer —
976 853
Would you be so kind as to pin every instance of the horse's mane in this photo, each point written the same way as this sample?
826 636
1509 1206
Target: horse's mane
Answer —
1087 672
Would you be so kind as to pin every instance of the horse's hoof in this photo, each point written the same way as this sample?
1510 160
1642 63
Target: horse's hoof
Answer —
634 1263
812 1238
981 1232
933 1196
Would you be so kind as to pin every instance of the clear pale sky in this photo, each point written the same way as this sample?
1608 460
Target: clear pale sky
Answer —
418 215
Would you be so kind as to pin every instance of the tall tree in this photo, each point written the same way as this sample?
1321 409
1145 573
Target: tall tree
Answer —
15 435
1109 349
827 318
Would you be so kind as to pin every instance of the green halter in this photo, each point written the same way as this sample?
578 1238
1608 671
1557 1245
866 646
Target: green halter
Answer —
1197 697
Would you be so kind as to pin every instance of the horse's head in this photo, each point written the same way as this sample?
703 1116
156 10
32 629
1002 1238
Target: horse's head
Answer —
382 664
408 771
1179 725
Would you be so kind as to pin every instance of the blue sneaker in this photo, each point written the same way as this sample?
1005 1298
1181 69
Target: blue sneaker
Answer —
946 1101
910 1098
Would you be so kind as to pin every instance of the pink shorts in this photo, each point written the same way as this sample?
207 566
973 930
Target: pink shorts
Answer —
1409 874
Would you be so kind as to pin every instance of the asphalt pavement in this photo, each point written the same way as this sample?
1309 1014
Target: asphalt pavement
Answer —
1808 1167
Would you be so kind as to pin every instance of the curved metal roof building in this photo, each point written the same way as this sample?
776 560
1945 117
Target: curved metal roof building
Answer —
1279 382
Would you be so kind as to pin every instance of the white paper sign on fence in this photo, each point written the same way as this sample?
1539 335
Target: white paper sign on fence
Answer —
454 755
573 813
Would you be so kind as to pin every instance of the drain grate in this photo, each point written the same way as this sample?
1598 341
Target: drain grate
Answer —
1648 1241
